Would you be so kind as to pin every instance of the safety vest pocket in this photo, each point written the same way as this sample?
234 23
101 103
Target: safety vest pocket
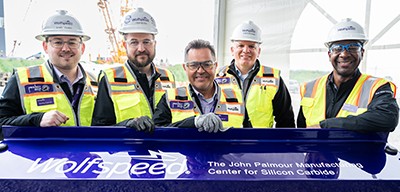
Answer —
127 106
307 102
124 103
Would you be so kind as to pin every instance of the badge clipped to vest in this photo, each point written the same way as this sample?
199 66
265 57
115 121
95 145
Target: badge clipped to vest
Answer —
223 117
268 81
181 105
37 88
45 101
223 80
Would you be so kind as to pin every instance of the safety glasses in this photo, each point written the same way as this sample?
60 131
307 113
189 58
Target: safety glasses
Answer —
351 48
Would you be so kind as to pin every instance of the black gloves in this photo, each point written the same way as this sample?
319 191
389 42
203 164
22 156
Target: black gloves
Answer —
143 123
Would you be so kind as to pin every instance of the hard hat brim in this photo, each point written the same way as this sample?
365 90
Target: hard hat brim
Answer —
42 37
246 39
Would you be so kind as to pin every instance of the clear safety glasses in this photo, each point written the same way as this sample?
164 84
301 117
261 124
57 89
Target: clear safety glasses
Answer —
194 65
58 43
135 43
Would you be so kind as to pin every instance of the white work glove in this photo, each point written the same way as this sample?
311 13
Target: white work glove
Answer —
209 122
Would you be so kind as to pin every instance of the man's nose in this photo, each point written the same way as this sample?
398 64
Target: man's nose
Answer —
200 69
344 52
141 47
65 46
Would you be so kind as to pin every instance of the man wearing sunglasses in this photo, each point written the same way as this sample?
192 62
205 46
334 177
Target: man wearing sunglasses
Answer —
58 92
128 93
346 98
203 104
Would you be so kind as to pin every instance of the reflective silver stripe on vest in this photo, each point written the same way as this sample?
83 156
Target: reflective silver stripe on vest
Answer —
228 93
267 71
309 88
365 92
119 72
34 72
163 73
158 84
182 92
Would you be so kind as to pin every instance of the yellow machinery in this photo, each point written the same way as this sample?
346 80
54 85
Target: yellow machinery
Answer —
117 50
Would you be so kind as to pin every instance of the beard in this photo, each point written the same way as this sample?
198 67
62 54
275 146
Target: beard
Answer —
141 62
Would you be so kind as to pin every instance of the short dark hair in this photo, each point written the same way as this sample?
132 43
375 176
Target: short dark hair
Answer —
199 44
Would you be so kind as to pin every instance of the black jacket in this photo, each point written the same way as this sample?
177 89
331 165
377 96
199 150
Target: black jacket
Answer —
11 112
104 113
382 113
282 103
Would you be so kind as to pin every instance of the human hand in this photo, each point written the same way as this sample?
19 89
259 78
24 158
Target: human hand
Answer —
53 118
209 122
143 123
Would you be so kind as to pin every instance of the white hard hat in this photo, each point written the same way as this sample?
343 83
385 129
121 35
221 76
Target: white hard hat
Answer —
247 31
138 21
346 30
61 23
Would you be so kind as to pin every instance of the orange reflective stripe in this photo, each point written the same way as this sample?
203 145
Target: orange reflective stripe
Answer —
358 86
315 87
372 91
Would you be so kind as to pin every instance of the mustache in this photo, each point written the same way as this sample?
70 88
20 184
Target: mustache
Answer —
142 53
67 52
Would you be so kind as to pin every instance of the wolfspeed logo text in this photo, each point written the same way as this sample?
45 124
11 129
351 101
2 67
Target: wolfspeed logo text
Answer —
157 163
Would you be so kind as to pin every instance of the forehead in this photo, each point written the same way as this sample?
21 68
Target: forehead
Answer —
201 54
139 36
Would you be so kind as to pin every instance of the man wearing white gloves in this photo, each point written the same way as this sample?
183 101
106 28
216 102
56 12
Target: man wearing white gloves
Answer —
203 104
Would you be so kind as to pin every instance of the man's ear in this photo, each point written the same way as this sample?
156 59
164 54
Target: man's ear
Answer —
184 66
45 46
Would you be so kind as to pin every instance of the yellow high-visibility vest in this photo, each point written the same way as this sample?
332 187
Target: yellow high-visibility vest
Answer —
259 96
229 107
39 93
313 96
127 95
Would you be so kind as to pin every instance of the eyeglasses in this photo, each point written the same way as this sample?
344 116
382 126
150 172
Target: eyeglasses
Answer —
351 48
194 65
58 43
135 43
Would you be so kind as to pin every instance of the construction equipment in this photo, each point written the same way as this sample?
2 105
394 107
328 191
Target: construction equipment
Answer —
118 53
15 45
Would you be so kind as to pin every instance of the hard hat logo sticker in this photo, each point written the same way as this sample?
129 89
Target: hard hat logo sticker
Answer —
136 19
63 23
349 28
249 31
